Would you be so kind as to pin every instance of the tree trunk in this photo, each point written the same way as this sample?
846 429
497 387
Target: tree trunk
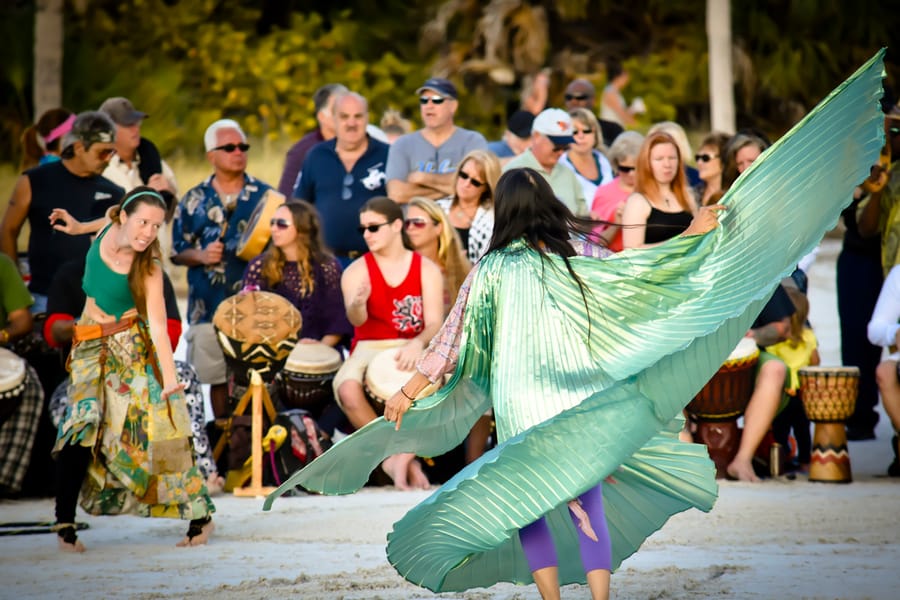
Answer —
48 55
721 77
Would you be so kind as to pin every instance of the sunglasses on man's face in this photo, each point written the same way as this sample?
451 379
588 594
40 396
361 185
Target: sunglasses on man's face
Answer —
579 97
560 147
466 177
106 153
371 228
280 223
423 100
229 148
625 169
705 157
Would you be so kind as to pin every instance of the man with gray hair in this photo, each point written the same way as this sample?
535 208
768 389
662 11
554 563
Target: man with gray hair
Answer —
208 225
340 175
74 183
323 102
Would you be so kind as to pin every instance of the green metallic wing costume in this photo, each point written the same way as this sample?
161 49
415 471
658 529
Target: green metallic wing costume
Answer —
620 365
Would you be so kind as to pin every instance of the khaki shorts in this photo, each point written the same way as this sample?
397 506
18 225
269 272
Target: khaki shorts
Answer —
205 354
354 368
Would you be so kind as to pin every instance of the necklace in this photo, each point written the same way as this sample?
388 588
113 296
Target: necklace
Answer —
468 215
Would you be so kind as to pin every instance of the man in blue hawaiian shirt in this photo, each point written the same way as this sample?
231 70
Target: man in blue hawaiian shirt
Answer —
208 226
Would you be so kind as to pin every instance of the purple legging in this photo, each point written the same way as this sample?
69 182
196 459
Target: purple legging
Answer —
538 543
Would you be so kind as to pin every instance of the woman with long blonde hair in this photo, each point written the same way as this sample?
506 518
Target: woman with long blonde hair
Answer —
470 209
298 267
662 205
431 235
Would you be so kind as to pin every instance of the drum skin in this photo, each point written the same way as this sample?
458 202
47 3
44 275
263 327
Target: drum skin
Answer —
307 377
383 379
256 330
254 239
12 382
829 398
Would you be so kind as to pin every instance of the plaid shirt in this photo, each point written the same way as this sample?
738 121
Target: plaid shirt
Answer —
17 434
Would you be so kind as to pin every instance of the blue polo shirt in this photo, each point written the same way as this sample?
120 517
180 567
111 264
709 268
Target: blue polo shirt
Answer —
338 195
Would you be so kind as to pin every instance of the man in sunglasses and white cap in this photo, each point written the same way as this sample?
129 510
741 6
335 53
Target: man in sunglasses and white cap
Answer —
551 135
209 223
423 163
75 184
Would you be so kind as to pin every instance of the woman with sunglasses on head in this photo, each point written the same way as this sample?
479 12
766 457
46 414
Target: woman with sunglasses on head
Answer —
124 440
394 300
470 209
298 267
662 206
710 160
584 157
609 199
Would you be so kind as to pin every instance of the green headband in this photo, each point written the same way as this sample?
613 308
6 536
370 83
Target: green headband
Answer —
144 193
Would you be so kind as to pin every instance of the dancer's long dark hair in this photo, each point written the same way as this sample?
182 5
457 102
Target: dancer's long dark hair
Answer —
525 207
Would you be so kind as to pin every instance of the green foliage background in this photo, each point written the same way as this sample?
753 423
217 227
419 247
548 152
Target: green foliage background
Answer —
188 62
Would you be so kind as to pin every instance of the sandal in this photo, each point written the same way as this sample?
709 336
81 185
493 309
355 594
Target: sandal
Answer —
197 528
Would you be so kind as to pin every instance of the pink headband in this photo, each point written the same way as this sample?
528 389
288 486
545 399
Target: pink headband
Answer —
60 130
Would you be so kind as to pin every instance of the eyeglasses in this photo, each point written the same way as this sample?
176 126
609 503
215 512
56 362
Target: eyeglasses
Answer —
280 223
423 100
587 131
346 192
625 169
466 177
560 147
371 228
577 97
417 223
229 148
705 157
106 153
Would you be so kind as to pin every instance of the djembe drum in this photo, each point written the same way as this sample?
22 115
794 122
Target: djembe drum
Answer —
722 400
829 398
307 376
12 382
383 379
256 330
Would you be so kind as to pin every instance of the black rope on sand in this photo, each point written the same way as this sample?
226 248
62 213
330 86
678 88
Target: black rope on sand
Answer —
33 527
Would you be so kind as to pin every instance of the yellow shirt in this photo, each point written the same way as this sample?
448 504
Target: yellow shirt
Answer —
795 356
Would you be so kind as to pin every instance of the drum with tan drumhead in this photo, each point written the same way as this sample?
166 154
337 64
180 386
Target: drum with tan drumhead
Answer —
722 400
254 239
12 382
256 330
307 377
829 398
383 379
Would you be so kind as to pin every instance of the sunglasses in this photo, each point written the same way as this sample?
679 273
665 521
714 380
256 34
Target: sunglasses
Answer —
705 157
416 223
466 177
280 223
229 148
106 153
587 131
371 228
560 147
423 100
624 169
577 96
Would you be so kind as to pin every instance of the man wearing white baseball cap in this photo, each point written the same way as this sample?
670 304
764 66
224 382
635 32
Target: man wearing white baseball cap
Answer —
551 134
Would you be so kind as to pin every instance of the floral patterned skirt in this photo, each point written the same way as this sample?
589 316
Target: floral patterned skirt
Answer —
143 462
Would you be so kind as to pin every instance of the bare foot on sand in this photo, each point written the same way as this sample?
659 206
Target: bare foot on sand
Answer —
199 539
64 546
742 470
215 483
397 468
417 477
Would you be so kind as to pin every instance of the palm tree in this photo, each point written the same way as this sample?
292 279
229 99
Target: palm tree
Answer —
48 55
721 77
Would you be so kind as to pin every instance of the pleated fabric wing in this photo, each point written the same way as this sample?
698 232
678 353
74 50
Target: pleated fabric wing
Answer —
614 366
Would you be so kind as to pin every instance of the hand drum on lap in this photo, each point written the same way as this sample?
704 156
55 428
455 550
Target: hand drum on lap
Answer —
307 376
383 379
256 330
12 382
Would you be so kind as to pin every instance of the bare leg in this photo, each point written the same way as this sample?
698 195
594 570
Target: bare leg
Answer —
547 581
598 582
218 398
758 418
478 437
889 386
416 476
354 404
397 468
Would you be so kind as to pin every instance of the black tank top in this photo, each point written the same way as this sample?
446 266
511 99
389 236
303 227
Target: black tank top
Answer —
86 198
662 226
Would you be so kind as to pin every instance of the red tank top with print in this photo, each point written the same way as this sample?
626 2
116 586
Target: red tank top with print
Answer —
393 312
